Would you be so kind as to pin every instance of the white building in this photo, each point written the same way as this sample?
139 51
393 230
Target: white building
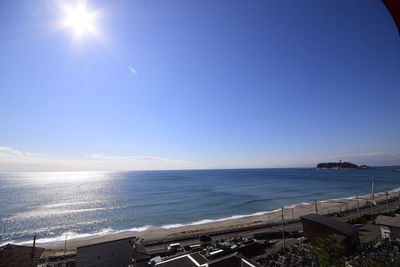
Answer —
118 253
390 226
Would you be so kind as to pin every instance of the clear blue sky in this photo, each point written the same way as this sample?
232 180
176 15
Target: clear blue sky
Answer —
199 84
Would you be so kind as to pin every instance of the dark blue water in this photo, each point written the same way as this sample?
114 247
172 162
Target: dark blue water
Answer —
81 204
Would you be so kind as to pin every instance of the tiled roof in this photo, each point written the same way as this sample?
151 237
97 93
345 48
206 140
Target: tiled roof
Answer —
339 226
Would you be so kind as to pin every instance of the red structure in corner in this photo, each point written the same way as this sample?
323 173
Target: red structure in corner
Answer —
394 8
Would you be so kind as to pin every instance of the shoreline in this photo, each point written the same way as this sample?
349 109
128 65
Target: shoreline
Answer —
233 223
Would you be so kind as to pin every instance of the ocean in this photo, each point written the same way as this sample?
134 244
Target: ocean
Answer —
52 205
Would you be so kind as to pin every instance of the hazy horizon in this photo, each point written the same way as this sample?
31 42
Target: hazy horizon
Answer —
371 160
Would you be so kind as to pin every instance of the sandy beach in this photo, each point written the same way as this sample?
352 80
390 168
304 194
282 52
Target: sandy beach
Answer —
290 213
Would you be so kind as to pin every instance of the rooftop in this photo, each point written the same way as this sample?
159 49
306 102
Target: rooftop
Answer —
339 226
188 260
196 260
388 221
13 255
232 260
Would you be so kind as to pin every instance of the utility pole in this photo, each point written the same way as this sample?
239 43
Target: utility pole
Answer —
373 189
358 208
65 244
370 206
316 207
387 202
33 248
283 229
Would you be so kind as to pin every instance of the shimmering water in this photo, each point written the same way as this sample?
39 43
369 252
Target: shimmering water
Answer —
82 204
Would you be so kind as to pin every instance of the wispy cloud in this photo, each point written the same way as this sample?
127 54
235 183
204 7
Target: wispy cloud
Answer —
132 70
8 151
15 160
137 158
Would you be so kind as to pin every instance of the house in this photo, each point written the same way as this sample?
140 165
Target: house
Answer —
390 226
19 256
317 226
120 253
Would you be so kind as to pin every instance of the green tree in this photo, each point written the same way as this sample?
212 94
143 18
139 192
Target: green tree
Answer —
328 253
382 261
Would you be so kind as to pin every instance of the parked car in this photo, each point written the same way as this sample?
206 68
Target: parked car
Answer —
174 247
205 238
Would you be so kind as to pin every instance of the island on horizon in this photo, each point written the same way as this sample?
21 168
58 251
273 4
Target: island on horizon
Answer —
339 165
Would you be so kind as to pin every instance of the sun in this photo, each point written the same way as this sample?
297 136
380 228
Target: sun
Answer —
81 20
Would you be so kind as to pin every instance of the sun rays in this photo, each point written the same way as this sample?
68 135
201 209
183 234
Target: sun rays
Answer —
80 19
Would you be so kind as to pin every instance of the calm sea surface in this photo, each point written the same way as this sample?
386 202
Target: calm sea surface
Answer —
81 204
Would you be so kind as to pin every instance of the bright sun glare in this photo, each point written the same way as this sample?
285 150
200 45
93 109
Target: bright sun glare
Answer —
81 20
